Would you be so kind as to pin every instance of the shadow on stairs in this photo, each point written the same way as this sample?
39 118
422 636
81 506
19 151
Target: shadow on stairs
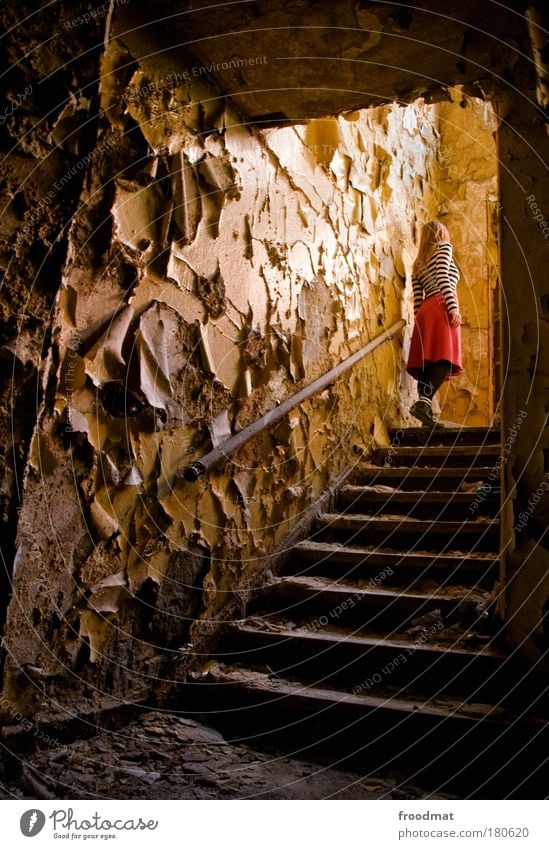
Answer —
378 643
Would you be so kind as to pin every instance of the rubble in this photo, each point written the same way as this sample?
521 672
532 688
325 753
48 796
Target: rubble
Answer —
169 756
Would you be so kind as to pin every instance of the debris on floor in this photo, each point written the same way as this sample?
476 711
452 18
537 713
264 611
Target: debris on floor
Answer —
166 756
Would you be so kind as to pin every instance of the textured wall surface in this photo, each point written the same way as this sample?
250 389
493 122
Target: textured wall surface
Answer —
214 267
467 187
523 147
321 58
46 128
213 270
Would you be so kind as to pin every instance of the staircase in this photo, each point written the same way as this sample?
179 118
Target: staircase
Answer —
379 639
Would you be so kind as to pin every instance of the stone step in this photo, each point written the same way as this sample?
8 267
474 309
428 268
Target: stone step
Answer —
417 503
396 531
429 478
379 730
357 661
448 436
439 455
399 568
312 602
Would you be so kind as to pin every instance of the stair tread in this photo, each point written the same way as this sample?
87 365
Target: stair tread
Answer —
440 450
419 430
336 587
448 435
447 558
412 495
361 640
456 708
425 471
442 525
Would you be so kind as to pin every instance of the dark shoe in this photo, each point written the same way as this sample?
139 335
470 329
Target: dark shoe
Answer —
422 411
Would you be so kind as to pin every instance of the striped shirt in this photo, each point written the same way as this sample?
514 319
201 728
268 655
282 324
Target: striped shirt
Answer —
440 276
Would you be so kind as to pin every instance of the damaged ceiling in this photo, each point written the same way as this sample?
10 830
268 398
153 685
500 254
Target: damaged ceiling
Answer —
281 60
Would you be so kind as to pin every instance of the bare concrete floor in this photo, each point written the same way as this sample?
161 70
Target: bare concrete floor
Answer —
162 756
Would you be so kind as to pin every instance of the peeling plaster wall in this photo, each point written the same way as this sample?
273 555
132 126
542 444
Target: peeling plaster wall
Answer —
467 188
47 127
102 597
214 269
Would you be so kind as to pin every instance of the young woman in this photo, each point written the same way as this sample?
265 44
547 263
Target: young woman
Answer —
435 347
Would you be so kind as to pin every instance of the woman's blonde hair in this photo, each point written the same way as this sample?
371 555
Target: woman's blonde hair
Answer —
433 234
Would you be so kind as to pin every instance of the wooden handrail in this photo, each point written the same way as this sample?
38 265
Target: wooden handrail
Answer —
197 468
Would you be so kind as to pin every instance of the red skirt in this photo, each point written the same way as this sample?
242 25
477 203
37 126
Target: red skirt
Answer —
434 338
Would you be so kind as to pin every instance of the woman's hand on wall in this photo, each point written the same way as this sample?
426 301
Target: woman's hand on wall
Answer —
455 318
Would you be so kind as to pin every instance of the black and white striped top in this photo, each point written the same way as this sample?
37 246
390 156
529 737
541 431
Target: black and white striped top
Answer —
440 275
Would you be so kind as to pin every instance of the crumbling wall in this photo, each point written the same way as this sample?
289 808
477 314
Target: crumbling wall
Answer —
47 128
214 269
161 340
467 187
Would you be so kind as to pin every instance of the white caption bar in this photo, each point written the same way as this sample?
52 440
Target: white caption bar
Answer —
324 824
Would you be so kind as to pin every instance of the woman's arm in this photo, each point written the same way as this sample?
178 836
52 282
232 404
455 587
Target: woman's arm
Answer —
418 293
444 282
